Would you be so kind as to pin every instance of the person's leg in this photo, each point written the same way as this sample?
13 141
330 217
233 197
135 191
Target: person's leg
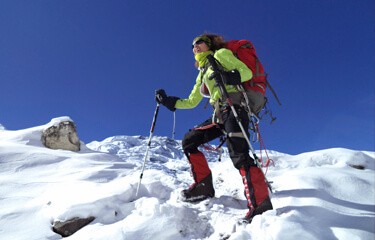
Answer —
202 186
255 187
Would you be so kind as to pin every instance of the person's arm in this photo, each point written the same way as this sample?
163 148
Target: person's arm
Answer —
230 62
194 98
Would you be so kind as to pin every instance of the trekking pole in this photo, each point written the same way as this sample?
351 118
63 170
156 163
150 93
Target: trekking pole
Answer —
148 146
174 125
211 59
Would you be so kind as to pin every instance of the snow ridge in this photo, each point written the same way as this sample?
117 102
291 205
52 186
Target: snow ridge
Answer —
317 195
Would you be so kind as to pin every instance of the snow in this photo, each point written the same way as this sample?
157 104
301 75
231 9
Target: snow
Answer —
317 195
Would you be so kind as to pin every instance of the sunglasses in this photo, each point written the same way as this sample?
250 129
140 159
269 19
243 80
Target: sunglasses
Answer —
199 41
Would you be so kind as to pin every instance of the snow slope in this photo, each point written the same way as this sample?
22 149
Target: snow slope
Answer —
317 195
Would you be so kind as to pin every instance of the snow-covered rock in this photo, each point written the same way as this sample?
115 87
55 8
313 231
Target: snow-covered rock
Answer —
62 135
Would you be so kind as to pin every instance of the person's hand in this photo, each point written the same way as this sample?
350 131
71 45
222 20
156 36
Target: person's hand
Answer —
160 95
168 101
232 77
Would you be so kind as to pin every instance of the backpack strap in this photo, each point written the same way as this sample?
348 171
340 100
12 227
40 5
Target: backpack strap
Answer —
273 92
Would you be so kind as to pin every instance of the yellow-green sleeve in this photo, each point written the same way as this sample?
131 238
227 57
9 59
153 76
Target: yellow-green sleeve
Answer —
194 98
230 62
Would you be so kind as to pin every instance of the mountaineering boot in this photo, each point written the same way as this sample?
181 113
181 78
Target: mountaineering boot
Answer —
256 192
263 207
199 190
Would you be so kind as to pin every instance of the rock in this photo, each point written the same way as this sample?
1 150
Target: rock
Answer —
70 226
357 166
62 135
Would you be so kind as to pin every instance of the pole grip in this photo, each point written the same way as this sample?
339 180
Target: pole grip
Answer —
211 59
155 117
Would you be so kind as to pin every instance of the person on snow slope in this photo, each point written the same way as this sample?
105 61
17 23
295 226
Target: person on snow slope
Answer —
222 122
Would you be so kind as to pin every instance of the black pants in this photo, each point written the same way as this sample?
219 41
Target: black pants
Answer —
237 145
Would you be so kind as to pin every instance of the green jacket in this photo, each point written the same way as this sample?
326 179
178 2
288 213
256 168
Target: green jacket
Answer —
229 62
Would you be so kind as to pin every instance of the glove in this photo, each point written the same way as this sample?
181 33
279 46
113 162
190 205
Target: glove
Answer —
232 77
168 101
160 95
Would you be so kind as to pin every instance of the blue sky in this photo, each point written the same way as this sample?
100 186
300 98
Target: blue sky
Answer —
100 62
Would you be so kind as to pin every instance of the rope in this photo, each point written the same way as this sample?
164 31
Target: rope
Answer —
218 149
263 146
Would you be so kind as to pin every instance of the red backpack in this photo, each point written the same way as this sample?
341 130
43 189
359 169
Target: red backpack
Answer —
245 51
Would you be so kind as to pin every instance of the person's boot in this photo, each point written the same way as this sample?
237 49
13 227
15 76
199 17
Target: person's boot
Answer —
199 191
256 192
263 207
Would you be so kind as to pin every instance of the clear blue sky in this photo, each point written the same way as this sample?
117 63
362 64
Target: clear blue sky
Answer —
99 62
